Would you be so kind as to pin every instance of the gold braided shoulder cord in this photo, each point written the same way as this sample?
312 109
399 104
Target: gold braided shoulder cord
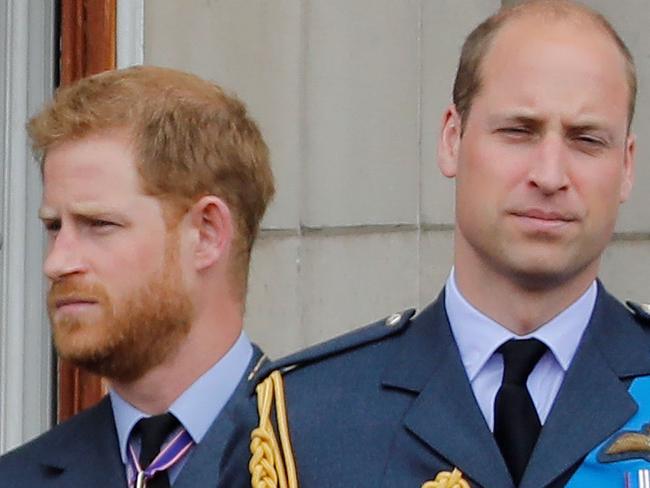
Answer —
269 466
445 479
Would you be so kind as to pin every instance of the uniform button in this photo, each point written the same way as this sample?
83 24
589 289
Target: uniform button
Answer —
394 319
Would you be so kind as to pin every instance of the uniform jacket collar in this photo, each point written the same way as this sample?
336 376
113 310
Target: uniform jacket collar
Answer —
591 404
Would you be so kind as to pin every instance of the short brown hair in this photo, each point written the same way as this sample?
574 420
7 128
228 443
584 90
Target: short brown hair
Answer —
468 76
190 139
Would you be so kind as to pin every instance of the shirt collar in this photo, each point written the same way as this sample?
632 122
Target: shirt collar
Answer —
200 404
478 336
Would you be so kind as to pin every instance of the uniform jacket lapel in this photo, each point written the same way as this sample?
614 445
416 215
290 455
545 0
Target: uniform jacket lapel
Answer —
203 466
444 415
225 446
593 401
70 459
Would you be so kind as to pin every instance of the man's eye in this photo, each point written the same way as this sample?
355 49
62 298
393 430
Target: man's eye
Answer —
101 223
52 226
591 140
516 131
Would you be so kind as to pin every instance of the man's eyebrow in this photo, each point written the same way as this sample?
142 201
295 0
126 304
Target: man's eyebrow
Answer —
46 213
589 125
517 117
529 119
80 210
92 209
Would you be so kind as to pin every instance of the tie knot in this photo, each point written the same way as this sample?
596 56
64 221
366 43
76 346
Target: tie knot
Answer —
519 359
153 431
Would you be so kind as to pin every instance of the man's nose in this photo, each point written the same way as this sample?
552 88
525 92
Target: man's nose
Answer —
64 256
548 171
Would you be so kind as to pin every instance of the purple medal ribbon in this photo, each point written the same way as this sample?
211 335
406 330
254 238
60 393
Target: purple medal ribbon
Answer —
169 455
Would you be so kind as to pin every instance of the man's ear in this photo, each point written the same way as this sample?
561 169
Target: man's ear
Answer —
628 168
449 142
213 226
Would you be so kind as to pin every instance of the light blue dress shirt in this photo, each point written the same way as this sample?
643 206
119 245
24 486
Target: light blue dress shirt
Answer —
478 337
198 406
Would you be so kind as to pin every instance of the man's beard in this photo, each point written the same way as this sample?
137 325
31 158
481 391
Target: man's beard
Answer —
129 338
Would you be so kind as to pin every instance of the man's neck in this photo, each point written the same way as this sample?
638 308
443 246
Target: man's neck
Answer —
154 392
520 309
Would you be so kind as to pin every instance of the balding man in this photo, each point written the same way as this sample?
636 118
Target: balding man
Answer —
525 371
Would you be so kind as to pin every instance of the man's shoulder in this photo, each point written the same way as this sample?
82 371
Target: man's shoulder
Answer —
641 312
345 350
60 438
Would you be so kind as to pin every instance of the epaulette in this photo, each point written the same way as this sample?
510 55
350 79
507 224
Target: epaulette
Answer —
640 310
381 329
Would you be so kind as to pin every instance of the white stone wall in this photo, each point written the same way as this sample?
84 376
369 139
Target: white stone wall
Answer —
349 95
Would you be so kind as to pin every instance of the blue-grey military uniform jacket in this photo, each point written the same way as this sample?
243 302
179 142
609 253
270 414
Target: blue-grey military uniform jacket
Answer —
390 405
83 451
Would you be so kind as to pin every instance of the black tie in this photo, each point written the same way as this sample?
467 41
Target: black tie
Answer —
516 424
153 431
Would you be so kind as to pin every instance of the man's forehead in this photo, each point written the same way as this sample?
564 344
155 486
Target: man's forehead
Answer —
96 175
551 11
536 25
524 44
532 27
98 162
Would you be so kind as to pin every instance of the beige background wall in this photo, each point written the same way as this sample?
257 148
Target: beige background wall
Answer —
349 94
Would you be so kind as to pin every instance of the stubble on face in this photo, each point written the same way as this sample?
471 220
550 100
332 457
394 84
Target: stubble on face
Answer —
129 338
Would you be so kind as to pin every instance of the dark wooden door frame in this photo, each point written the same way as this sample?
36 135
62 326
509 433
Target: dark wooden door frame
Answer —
87 46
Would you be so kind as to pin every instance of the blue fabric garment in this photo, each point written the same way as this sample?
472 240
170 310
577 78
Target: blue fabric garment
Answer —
602 470
390 405
198 406
479 337
84 451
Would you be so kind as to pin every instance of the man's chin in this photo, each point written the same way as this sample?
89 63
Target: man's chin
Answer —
546 275
105 364
85 346
121 361
78 339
